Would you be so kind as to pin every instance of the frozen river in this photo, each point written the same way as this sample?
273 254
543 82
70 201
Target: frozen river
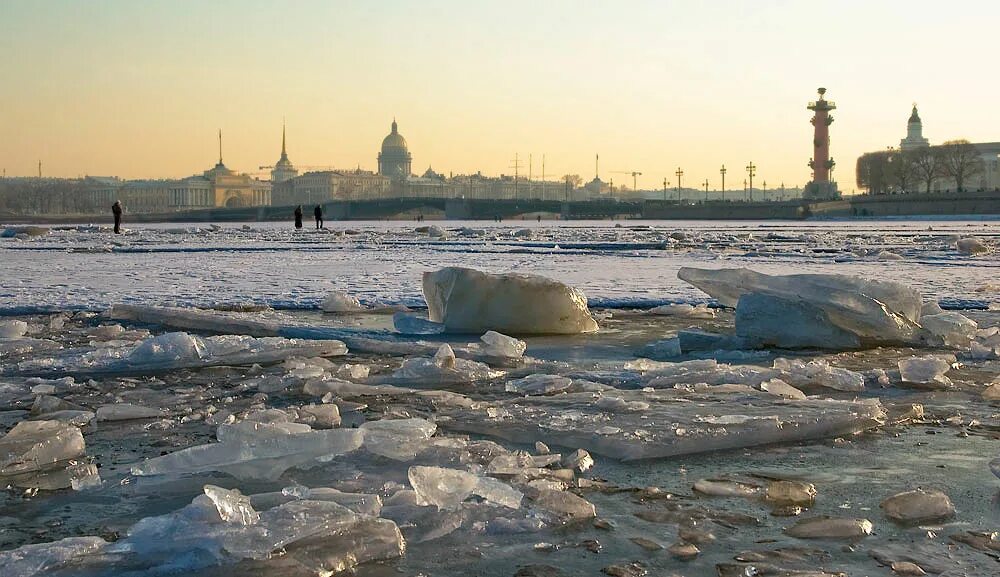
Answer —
269 263
125 443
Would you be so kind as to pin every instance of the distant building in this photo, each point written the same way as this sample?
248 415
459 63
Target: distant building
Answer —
914 133
395 159
283 169
324 186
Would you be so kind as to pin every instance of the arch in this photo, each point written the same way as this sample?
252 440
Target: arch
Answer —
235 202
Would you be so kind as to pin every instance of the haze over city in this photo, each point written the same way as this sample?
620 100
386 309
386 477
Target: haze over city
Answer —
139 89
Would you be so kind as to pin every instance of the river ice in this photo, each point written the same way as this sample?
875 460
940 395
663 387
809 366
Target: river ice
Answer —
292 426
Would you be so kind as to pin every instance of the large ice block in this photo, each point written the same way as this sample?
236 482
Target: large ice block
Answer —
875 311
467 300
43 454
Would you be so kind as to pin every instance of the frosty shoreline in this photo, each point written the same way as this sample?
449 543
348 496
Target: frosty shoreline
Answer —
150 440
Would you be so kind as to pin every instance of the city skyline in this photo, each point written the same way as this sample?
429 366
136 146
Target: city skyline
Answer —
134 91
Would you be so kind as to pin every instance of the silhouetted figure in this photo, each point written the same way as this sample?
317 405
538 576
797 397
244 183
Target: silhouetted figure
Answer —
116 209
298 216
318 213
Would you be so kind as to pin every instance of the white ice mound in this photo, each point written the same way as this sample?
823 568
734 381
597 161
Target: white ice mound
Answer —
926 371
467 300
971 245
875 312
182 350
338 302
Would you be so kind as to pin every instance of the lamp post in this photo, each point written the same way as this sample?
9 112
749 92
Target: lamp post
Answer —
679 174
664 190
744 189
706 190
751 170
763 195
722 171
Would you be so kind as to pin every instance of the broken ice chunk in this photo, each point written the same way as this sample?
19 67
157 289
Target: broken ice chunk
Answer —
448 488
443 368
467 300
684 310
13 329
34 450
410 324
499 345
233 506
830 528
875 311
765 320
338 302
399 439
538 384
927 370
782 389
42 558
918 506
952 328
564 505
971 246
126 411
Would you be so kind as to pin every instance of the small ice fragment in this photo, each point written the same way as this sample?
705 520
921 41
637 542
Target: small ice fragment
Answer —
926 370
782 389
579 460
339 302
233 506
499 345
918 506
830 528
565 505
126 411
13 329
539 384
725 488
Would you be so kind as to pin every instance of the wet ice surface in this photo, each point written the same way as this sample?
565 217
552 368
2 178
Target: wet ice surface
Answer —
340 458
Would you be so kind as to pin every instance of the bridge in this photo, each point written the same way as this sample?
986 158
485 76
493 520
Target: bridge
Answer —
411 208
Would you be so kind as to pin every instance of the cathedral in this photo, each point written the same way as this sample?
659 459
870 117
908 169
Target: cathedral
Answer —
395 159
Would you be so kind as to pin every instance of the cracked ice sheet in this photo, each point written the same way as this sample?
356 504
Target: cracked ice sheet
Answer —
676 422
173 351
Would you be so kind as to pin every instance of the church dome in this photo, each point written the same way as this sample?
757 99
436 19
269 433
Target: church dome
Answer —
394 142
914 117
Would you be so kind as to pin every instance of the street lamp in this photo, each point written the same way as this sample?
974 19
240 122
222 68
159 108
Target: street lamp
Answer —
706 190
744 190
679 174
722 171
664 190
752 170
764 191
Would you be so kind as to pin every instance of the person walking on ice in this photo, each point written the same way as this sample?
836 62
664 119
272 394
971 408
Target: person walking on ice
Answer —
318 213
116 210
298 216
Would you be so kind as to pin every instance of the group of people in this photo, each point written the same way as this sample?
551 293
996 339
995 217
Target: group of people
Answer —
116 211
317 212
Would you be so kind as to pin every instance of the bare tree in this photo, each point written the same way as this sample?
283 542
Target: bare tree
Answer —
960 161
573 179
901 171
872 172
927 165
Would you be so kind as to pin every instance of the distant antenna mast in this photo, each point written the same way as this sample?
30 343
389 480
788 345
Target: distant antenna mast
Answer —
220 146
597 167
516 166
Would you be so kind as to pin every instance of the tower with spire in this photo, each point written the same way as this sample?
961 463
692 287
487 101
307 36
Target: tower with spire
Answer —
914 133
283 169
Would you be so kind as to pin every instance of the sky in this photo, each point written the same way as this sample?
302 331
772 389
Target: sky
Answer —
140 89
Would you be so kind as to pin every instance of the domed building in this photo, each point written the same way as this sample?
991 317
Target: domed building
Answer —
395 159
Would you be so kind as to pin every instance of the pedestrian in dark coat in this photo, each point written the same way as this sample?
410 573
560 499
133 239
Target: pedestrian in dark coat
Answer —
298 216
116 210
318 213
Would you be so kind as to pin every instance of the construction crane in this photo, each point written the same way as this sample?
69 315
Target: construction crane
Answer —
634 174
